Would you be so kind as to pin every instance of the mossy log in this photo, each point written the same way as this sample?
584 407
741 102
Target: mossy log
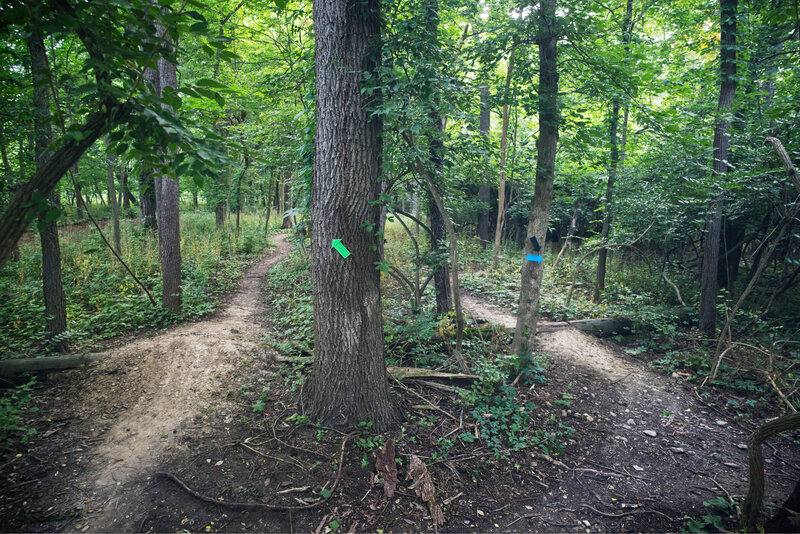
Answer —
18 367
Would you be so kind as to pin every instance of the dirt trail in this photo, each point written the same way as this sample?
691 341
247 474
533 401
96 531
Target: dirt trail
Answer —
661 447
153 388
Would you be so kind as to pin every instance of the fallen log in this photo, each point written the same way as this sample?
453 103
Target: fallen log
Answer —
601 327
399 373
419 372
18 367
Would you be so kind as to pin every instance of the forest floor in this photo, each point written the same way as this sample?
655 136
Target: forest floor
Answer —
117 440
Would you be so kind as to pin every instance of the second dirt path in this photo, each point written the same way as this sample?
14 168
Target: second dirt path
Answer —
155 387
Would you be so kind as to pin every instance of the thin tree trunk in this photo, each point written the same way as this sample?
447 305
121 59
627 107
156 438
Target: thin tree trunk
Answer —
53 289
708 275
348 382
112 200
614 162
287 201
441 275
600 280
3 150
573 225
268 205
485 119
147 188
501 189
546 145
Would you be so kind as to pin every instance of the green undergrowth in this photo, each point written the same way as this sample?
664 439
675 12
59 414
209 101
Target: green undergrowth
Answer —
664 331
102 299
15 404
497 415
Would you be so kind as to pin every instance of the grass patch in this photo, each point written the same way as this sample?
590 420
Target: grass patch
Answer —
102 300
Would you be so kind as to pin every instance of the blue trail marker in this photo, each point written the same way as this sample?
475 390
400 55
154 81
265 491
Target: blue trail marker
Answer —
534 257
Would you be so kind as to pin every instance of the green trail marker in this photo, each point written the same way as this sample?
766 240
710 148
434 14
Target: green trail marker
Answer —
341 249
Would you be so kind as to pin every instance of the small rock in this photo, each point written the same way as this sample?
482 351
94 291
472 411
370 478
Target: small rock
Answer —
480 512
720 422
563 413
678 450
638 468
585 522
741 446
612 414
731 464
219 463
631 422
626 427
651 433
589 418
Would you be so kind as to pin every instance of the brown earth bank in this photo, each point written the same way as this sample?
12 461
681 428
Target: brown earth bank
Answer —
162 436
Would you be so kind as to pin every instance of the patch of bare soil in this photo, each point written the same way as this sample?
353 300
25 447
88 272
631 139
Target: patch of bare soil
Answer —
162 436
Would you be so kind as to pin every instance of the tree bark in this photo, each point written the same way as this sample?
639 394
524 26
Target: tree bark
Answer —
546 146
168 197
600 279
147 189
348 382
112 200
501 188
708 275
485 124
53 289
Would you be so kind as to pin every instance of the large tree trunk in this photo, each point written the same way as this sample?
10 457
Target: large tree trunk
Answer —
169 233
708 275
485 121
501 188
348 383
546 146
53 289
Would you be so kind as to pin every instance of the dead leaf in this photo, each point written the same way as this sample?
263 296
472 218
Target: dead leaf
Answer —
387 468
424 488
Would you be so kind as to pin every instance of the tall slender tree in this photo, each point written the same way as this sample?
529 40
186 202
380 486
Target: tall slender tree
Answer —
348 382
546 145
167 206
441 276
613 164
727 89
112 200
501 188
53 289
484 127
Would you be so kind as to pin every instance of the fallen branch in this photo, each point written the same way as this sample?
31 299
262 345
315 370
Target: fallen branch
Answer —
755 493
258 505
